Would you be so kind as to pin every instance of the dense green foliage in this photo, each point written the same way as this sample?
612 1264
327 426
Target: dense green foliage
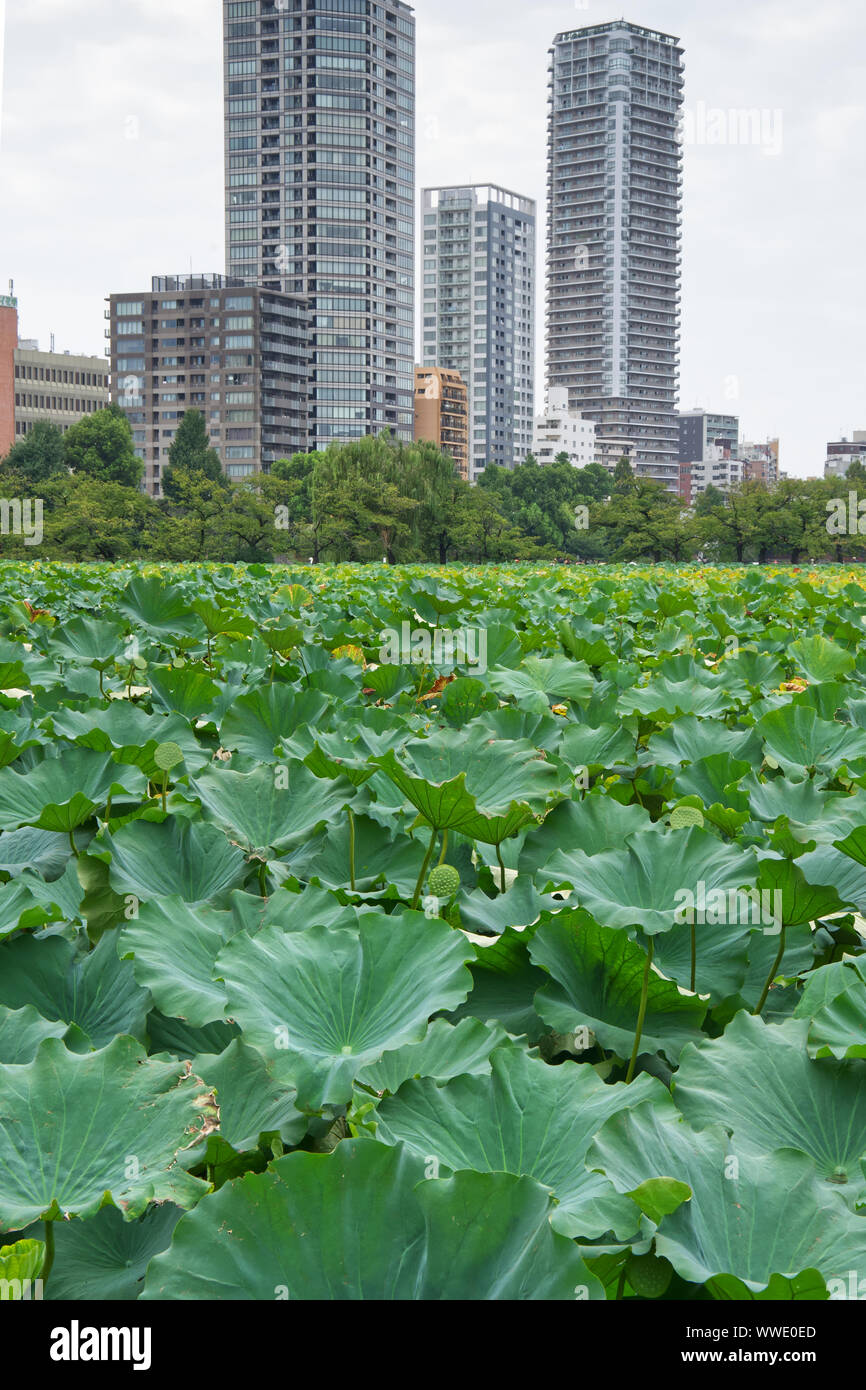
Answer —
377 498
455 934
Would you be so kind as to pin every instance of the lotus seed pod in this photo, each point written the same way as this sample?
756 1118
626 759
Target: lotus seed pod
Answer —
649 1276
444 881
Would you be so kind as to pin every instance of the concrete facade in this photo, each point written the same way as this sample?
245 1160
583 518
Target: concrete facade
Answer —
237 353
478 311
614 235
563 431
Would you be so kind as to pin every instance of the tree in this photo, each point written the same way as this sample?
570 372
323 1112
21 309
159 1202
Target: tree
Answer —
648 522
191 452
100 447
38 456
88 518
624 480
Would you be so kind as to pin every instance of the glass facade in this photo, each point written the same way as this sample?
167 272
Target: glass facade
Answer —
320 190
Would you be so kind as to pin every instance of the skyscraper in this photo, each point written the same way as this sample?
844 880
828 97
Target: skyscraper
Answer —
478 312
614 201
320 191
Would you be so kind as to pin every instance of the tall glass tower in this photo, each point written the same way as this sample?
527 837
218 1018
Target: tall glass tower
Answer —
320 192
478 311
614 234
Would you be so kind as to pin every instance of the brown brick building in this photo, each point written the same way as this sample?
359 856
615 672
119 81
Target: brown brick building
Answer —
442 413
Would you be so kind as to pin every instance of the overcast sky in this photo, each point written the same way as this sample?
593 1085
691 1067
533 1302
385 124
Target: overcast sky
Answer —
111 171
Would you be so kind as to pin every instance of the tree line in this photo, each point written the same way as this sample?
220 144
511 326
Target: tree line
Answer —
379 498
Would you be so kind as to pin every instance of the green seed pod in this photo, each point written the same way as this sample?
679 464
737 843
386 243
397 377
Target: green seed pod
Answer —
444 881
167 756
649 1275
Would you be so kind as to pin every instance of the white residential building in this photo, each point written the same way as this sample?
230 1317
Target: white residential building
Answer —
563 431
717 470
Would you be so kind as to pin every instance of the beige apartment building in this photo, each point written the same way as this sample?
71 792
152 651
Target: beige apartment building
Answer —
442 413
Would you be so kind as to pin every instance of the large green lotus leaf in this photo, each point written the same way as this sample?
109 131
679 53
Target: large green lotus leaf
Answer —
484 789
380 858
715 780
263 811
759 1082
22 1031
80 1132
556 677
590 826
529 1118
20 910
251 1103
87 640
597 981
62 793
827 865
161 609
45 851
21 1264
132 733
381 1233
258 720
749 1217
446 1050
820 660
179 1039
104 1259
643 884
796 899
853 846
837 1022
320 1004
182 858
519 906
173 947
812 814
799 741
608 746
186 692
721 957
690 739
93 990
664 700
505 983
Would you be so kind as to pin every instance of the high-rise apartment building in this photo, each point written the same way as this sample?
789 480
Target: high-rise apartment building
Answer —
762 462
442 413
236 353
320 192
701 430
8 345
614 203
842 453
478 310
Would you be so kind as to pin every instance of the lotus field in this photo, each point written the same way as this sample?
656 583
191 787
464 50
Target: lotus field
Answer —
422 934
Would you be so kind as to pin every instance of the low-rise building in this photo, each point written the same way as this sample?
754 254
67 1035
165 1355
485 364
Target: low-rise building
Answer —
842 453
762 462
442 413
237 353
58 388
563 431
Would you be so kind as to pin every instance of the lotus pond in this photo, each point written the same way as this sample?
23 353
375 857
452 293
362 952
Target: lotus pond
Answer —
430 934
